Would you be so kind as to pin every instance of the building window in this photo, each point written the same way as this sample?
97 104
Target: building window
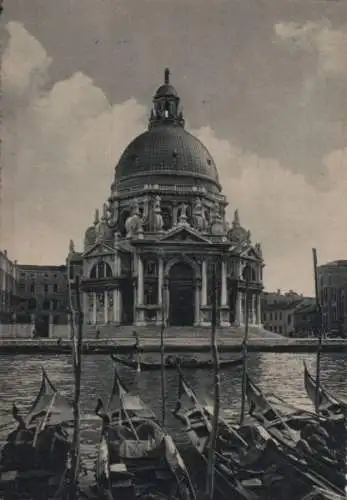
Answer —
101 270
45 288
32 288
280 315
55 288
151 267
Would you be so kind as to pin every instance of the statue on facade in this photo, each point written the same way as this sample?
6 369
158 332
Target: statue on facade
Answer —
158 222
217 227
183 209
113 218
199 218
259 250
71 247
134 223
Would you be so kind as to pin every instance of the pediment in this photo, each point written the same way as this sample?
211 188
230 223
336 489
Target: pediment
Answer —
251 253
182 234
98 249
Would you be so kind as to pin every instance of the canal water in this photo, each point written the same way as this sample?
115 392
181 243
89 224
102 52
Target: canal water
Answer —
282 374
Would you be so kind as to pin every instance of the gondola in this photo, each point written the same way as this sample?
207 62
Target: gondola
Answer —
300 435
171 362
329 405
248 465
34 460
136 458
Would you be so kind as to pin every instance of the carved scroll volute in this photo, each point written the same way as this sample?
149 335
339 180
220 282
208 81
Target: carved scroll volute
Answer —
113 214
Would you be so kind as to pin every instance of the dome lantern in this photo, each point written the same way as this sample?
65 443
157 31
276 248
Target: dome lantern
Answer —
166 105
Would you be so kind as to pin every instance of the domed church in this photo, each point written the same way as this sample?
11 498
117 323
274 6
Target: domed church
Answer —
151 250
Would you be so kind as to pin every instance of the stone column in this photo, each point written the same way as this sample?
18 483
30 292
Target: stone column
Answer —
238 312
50 326
167 300
94 309
85 307
243 306
254 319
106 307
224 318
117 265
258 310
197 305
204 284
161 299
140 291
116 306
224 289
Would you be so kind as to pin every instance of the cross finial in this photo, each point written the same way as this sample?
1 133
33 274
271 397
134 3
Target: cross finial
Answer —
167 76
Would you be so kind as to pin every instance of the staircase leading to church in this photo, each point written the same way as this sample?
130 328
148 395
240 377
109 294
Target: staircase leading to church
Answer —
147 332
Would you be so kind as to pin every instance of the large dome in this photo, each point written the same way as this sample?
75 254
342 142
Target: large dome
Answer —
166 152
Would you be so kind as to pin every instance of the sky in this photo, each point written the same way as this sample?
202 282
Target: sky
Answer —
263 84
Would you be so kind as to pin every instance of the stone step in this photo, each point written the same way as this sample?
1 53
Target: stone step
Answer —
146 332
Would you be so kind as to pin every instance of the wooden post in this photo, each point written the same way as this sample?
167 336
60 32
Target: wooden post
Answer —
76 355
244 350
320 329
210 480
162 359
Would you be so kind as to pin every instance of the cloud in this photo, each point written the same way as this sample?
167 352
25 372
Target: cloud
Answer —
59 151
63 141
328 43
25 64
285 213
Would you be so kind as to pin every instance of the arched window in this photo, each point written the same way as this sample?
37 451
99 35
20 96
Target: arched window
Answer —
101 270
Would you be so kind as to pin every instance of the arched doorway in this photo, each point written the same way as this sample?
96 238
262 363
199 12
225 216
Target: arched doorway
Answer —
181 288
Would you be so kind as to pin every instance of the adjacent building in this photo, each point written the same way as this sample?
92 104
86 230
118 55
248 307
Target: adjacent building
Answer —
332 279
306 321
289 314
43 296
8 288
151 250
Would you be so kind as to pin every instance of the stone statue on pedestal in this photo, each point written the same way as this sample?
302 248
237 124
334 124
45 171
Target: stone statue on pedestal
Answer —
134 223
182 220
199 219
158 222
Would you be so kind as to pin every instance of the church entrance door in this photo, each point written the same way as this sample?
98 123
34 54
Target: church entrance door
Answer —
181 289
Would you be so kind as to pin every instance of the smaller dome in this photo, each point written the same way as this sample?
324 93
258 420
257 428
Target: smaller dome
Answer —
166 90
90 236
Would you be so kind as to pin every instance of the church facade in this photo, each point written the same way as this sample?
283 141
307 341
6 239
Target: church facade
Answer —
149 255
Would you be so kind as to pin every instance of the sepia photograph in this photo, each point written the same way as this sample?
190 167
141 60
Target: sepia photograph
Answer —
173 250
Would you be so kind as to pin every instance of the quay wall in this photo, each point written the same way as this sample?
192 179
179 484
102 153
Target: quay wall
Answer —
54 346
26 331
